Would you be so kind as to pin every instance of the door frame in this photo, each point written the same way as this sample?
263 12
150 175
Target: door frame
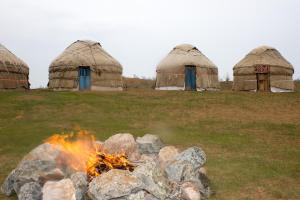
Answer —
185 77
267 82
90 81
265 70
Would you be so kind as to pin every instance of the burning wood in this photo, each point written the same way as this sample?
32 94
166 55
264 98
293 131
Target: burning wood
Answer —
102 162
81 153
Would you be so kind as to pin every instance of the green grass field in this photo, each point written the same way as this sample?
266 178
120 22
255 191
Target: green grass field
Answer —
252 140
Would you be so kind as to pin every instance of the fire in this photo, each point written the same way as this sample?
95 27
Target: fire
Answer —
80 152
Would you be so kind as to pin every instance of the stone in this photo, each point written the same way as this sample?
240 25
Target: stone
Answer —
122 143
166 155
80 183
115 184
30 191
38 171
154 179
137 196
7 188
58 190
43 152
39 165
190 191
197 178
203 170
149 144
187 163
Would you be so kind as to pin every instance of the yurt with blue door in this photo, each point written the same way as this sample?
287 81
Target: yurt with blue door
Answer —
186 68
85 65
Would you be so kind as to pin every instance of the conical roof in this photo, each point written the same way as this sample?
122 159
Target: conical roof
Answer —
86 53
185 54
10 62
264 55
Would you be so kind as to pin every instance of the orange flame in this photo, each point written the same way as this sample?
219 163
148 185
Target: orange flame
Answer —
80 152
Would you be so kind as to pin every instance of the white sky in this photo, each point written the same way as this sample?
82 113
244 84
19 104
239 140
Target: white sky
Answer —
139 33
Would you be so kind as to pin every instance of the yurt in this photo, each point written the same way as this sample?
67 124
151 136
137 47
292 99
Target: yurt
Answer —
186 68
263 69
13 71
85 65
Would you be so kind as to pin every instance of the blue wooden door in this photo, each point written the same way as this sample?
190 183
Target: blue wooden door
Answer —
84 78
190 78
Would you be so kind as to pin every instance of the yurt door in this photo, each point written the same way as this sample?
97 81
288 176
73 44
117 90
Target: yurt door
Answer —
263 83
190 77
84 78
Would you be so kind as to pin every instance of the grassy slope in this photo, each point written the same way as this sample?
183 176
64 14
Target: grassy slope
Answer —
252 140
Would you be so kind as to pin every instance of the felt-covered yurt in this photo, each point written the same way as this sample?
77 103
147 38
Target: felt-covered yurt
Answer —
263 69
186 68
14 72
85 65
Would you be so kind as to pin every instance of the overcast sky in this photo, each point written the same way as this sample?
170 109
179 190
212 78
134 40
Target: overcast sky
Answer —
139 33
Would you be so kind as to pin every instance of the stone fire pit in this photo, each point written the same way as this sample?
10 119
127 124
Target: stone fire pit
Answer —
161 172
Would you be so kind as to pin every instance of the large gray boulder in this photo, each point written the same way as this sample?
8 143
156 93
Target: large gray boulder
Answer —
149 144
154 179
186 168
38 171
80 183
122 143
39 166
30 191
58 190
115 184
190 160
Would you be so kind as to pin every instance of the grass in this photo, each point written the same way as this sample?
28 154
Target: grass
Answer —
252 140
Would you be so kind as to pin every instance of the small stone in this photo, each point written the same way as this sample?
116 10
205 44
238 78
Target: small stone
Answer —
203 170
190 191
115 184
80 183
122 143
30 191
137 196
166 155
149 144
7 187
59 190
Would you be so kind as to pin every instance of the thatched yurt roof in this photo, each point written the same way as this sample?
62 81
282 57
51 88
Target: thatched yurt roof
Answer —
85 53
13 71
11 63
182 55
263 55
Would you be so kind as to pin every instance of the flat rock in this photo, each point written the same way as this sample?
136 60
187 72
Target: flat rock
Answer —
149 144
30 191
122 143
115 184
59 190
